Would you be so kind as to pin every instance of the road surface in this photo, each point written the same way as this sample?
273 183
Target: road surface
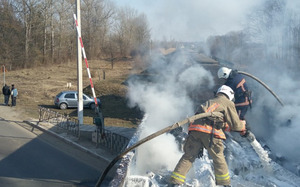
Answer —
31 159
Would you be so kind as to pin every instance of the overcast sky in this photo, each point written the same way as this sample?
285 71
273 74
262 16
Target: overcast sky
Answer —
192 20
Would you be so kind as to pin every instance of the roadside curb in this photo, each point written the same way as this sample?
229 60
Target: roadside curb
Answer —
82 148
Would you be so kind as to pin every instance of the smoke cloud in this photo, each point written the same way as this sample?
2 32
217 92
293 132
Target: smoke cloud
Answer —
165 101
276 125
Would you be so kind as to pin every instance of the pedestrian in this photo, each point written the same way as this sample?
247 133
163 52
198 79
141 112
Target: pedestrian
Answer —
208 133
242 94
14 94
6 93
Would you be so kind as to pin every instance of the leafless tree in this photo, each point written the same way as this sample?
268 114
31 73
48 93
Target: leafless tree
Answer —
131 31
28 12
44 32
65 32
11 37
271 37
96 19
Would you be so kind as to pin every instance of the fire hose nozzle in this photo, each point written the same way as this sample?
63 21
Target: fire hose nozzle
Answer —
250 137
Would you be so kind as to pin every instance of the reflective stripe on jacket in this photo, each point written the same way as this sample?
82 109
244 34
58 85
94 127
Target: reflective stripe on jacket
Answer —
218 104
207 129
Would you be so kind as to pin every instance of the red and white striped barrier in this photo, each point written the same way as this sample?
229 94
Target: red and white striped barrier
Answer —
86 62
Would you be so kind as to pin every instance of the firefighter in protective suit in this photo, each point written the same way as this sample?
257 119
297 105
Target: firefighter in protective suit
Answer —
242 94
208 133
238 84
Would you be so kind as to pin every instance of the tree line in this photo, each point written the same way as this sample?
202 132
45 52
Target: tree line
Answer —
271 37
39 32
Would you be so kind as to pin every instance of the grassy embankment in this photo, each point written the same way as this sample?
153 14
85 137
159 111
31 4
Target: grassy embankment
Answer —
38 87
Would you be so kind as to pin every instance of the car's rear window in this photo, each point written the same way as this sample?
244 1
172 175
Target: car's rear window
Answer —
58 95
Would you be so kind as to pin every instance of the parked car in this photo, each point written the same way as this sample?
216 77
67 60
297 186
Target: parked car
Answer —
68 99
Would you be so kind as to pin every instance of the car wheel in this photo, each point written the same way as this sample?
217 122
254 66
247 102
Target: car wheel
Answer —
92 106
63 106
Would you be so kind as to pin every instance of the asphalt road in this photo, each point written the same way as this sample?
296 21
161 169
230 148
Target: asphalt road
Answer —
31 159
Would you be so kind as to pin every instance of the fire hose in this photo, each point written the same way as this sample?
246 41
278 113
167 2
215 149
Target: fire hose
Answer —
174 126
262 83
150 137
263 155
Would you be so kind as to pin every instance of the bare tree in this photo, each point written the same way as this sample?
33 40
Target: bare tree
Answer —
131 31
29 12
96 18
46 32
11 37
63 24
271 37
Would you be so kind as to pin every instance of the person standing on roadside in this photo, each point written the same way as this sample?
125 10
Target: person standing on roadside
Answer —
6 93
14 94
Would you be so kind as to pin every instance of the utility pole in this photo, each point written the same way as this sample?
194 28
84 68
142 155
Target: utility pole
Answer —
79 68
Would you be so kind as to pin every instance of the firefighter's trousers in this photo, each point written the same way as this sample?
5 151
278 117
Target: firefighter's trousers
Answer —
195 141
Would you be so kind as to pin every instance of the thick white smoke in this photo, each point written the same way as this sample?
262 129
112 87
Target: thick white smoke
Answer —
277 125
165 101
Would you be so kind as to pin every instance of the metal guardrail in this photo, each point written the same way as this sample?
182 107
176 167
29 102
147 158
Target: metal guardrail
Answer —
114 142
60 120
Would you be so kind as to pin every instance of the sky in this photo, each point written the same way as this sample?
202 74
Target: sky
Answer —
192 20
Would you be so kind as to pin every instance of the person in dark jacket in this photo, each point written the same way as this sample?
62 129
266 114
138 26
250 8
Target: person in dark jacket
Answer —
6 93
238 84
242 94
201 133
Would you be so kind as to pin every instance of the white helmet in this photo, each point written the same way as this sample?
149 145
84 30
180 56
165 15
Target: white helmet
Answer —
224 72
227 91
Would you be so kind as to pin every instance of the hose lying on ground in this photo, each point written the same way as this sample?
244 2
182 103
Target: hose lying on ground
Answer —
262 83
150 137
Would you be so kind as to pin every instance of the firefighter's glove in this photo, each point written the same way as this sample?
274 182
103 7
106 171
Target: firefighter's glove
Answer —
244 129
249 135
244 133
200 154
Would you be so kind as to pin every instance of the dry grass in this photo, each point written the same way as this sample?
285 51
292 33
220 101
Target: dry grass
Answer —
38 87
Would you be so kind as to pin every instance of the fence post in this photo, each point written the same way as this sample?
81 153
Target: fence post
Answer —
40 114
78 130
68 123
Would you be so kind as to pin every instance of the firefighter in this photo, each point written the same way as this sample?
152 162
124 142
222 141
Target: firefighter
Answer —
208 133
242 94
238 84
